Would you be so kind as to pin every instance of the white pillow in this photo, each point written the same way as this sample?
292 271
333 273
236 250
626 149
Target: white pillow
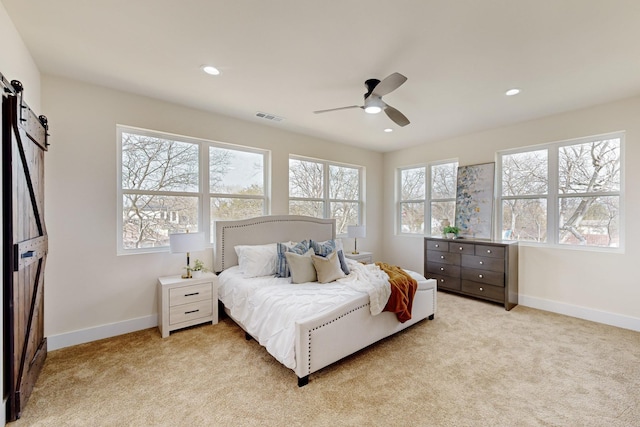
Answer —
301 267
257 260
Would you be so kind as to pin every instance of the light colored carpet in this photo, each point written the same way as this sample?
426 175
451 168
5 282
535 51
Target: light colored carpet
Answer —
474 365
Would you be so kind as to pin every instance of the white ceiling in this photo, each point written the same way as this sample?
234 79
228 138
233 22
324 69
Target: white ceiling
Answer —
291 57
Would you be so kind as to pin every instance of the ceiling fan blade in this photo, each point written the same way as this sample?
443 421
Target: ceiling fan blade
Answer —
395 115
389 84
336 109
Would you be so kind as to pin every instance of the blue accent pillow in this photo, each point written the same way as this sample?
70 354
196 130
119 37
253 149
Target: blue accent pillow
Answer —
325 248
282 268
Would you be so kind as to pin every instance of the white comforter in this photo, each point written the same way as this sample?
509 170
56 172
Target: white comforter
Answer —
268 307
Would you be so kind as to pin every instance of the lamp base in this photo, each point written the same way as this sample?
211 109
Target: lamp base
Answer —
187 275
355 252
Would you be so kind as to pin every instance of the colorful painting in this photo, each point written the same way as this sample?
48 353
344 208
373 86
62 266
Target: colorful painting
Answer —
474 200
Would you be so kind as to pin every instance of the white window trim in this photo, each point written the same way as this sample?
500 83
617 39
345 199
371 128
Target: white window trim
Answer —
426 201
325 185
203 195
553 195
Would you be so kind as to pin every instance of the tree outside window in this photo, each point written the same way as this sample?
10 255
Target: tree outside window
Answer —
574 202
325 190
162 192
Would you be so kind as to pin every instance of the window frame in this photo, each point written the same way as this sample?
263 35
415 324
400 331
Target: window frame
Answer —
428 199
553 194
326 189
203 194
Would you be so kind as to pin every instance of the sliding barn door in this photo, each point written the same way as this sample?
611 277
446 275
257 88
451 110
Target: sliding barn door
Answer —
24 142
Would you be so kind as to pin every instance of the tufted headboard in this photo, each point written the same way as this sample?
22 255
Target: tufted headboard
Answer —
266 229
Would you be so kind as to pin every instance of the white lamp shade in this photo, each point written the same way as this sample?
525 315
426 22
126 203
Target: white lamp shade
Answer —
186 242
356 231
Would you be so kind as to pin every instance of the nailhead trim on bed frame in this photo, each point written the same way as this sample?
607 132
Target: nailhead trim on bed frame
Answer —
251 225
330 322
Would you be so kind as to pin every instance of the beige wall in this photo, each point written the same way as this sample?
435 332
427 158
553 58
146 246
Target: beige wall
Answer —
597 285
88 285
16 63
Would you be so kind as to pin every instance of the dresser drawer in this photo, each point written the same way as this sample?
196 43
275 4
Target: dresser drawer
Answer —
443 258
444 269
495 293
187 312
437 245
490 251
188 294
446 282
483 263
461 248
483 276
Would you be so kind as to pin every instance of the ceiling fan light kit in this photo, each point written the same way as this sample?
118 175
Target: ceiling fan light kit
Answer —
373 103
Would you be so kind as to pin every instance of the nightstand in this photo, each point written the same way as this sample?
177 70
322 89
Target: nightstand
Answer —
186 302
363 257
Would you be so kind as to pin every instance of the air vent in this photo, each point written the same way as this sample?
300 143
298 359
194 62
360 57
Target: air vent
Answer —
268 116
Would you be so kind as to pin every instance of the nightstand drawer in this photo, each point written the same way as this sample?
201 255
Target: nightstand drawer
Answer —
189 294
187 312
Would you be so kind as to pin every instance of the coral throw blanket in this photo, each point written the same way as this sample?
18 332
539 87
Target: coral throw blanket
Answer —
403 289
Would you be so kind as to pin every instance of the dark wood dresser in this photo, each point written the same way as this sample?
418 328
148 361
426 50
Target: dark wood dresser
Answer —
478 268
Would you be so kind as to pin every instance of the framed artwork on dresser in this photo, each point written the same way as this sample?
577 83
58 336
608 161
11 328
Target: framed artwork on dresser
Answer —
474 200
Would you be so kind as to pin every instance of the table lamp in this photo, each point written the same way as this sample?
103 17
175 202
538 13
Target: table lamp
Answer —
185 243
356 231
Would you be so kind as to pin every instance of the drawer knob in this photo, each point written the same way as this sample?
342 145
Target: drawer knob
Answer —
441 256
480 276
442 280
441 268
488 251
437 245
481 289
481 262
460 248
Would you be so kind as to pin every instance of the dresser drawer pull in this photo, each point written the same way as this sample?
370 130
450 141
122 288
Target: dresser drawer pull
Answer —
192 294
481 263
192 311
481 289
437 245
441 268
480 276
488 251
460 248
442 280
441 256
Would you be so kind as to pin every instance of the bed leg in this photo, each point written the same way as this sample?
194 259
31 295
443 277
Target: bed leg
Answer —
303 381
432 317
247 336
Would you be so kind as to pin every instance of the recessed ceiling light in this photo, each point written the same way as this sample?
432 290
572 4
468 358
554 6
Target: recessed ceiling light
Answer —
209 69
512 92
388 130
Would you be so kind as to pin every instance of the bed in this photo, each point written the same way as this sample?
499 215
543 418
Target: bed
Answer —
324 330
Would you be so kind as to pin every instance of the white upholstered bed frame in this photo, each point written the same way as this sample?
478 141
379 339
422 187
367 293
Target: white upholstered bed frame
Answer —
326 338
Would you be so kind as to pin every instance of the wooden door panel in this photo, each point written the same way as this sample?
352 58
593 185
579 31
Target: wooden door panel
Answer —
25 247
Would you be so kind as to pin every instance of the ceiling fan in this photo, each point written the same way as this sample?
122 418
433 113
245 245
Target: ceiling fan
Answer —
373 102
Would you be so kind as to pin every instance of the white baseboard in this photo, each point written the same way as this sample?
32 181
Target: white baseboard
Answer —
621 321
55 342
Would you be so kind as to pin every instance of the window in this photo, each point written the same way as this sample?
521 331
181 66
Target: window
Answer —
162 190
566 193
326 190
427 196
